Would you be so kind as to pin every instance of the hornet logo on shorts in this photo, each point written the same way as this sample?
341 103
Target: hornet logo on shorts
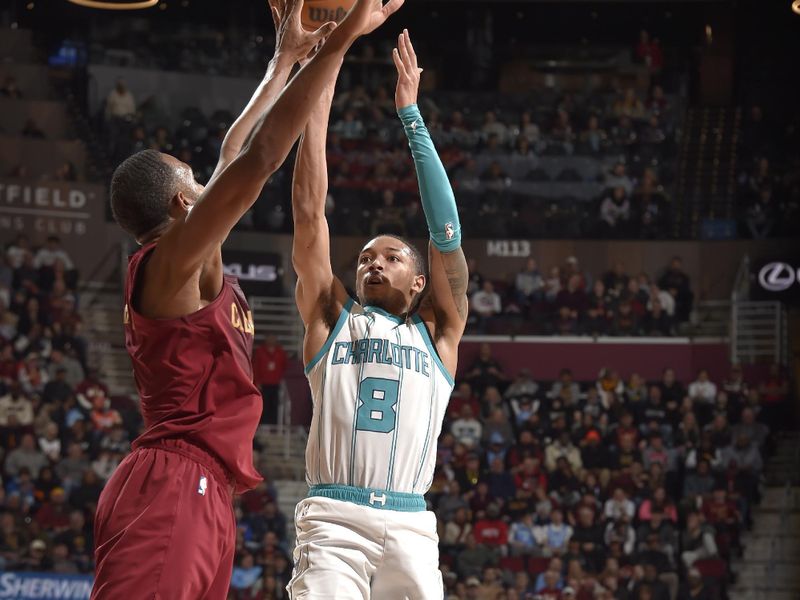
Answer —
449 231
201 487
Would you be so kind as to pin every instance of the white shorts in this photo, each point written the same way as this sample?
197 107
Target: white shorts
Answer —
351 552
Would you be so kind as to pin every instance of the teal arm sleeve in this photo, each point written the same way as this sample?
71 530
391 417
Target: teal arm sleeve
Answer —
438 200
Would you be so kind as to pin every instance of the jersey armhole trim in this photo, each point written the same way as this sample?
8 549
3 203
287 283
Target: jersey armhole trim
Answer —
423 330
331 336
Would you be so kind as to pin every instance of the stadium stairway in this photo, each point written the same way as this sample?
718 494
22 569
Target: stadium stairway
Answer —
769 568
282 458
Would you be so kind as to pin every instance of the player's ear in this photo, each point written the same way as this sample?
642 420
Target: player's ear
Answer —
419 284
180 205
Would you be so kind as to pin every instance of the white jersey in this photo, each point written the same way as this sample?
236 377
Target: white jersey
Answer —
380 392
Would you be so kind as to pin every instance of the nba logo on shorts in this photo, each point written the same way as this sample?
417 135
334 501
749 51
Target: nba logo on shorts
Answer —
449 232
201 487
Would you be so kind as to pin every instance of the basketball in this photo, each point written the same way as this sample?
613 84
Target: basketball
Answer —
318 12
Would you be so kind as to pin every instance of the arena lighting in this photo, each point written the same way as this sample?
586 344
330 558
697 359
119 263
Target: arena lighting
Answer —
796 7
113 5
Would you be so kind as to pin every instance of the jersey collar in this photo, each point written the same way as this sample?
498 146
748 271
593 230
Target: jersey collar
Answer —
380 311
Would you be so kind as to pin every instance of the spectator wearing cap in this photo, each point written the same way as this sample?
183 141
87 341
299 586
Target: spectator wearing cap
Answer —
35 559
90 387
468 472
54 514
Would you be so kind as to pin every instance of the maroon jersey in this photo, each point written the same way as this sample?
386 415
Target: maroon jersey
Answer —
195 377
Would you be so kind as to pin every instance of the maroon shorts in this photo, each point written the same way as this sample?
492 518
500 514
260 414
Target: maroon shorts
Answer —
165 528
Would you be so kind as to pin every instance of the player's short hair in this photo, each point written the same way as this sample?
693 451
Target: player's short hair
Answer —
141 189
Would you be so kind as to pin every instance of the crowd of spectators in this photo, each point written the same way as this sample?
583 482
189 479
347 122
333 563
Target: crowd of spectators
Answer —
567 300
768 195
617 488
560 165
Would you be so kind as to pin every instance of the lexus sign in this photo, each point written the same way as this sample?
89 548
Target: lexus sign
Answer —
778 276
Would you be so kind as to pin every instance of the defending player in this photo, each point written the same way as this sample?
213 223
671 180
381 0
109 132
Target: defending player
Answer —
381 372
165 526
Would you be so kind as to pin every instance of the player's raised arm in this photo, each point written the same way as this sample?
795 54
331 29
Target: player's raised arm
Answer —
445 307
182 249
292 43
311 242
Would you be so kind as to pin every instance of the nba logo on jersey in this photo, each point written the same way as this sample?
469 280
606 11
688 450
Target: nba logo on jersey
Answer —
449 231
201 487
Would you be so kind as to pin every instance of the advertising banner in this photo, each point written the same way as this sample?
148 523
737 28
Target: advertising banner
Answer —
44 586
75 212
777 280
259 273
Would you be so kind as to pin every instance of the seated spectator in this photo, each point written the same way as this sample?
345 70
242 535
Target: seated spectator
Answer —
27 456
457 530
615 213
104 418
522 536
751 429
529 284
618 178
491 530
550 581
485 371
657 322
493 127
661 503
594 139
620 532
15 404
462 395
486 304
664 532
697 541
629 105
563 447
619 506
467 429
471 561
625 322
554 536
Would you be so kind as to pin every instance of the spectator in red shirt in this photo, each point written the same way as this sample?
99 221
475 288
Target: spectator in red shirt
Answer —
649 52
9 365
492 530
269 367
54 514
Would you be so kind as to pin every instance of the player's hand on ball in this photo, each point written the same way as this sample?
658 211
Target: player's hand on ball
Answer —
292 38
408 72
367 15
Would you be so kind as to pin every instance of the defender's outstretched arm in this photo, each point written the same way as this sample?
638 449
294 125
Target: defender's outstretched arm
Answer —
231 193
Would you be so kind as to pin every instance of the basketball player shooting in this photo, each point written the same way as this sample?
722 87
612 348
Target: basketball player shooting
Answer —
381 372
165 526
